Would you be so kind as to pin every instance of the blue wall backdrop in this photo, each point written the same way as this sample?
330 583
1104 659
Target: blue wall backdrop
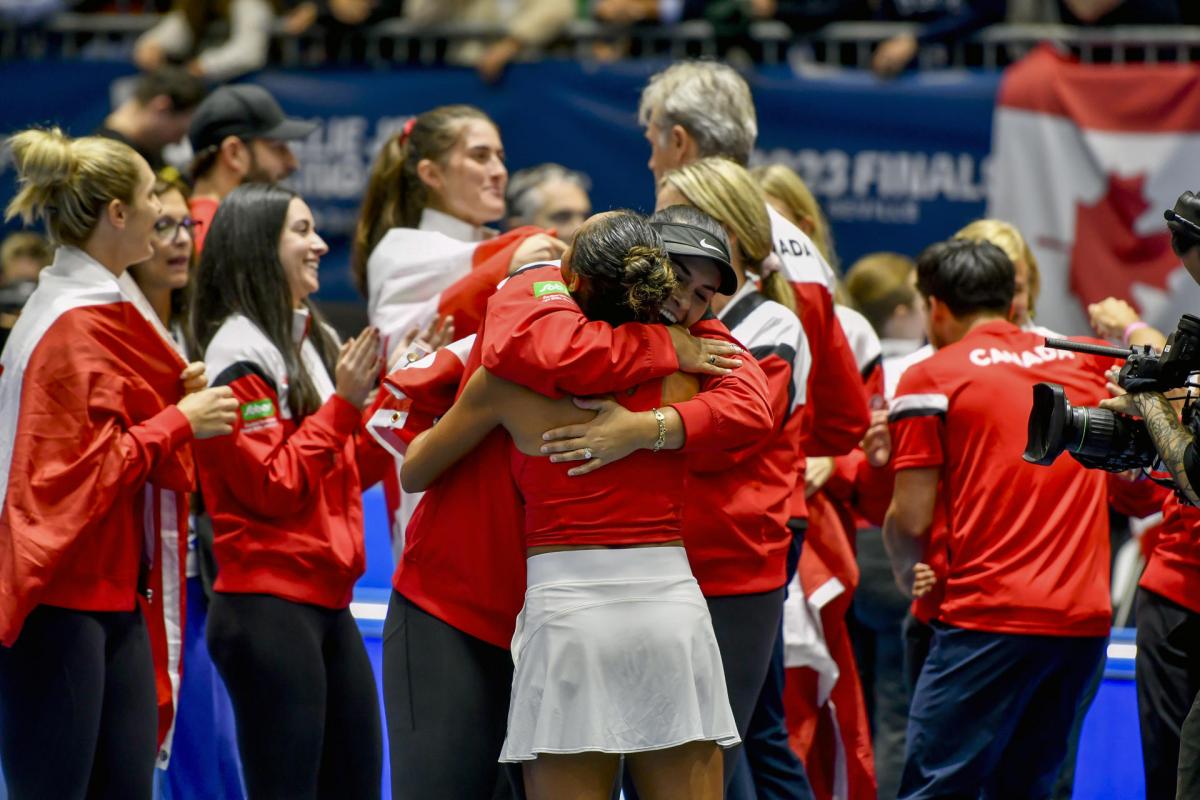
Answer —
896 164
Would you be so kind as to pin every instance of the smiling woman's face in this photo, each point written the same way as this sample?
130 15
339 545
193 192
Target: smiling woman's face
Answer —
698 279
300 251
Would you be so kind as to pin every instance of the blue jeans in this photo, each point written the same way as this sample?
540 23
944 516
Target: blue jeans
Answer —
992 712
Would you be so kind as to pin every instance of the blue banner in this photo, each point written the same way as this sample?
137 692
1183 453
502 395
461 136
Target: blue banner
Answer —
896 164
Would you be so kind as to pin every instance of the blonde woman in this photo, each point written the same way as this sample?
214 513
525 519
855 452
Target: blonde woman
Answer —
790 196
1028 280
735 525
96 414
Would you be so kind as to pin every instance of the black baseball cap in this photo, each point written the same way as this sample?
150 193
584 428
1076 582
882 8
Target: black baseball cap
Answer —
246 111
690 241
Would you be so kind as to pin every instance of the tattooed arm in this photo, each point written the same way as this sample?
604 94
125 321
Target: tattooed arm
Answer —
1169 435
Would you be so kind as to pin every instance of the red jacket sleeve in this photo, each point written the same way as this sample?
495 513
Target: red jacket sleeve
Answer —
733 413
836 414
1139 498
266 468
466 299
538 337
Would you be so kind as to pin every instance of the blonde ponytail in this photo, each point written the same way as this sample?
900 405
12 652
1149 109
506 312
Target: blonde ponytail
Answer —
69 182
776 287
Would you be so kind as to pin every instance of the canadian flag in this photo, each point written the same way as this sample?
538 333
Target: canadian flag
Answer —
823 697
1085 160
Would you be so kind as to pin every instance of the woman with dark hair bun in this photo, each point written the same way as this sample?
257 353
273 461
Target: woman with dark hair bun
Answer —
285 496
614 649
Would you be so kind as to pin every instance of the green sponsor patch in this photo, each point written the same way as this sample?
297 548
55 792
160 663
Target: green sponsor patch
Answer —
543 288
257 409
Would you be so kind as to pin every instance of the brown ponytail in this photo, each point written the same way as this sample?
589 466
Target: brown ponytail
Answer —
396 195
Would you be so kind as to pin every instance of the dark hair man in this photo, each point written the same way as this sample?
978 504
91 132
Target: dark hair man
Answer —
157 114
239 135
1025 616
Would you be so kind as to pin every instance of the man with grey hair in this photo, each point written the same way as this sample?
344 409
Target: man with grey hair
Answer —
549 196
697 109
693 110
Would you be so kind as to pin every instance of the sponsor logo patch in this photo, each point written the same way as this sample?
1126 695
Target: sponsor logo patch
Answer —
256 410
543 288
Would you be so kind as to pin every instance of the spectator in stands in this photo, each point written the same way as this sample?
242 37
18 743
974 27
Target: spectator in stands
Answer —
157 114
343 13
549 196
239 135
941 22
531 24
180 34
1121 12
1008 610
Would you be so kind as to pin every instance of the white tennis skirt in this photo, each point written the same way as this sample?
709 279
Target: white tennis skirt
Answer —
615 653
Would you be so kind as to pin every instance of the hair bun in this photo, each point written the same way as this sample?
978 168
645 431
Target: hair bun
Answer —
649 280
44 157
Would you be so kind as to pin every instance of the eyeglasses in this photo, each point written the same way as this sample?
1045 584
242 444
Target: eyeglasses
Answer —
167 228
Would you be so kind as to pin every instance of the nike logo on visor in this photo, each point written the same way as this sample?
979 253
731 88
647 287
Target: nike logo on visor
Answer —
704 243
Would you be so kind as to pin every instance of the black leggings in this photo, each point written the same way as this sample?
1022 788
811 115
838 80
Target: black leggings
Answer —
303 696
746 626
78 710
446 696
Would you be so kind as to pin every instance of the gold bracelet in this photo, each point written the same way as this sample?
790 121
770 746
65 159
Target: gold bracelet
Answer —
662 430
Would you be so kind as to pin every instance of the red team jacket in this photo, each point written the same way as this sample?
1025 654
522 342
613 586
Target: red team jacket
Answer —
1174 566
1032 560
464 557
835 414
739 502
285 497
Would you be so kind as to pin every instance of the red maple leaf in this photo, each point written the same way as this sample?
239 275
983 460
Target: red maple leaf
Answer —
1109 256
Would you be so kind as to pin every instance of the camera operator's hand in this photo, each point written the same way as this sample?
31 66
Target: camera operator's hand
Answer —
1123 403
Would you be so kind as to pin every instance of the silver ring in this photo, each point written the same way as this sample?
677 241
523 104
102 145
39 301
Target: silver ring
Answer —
712 360
587 454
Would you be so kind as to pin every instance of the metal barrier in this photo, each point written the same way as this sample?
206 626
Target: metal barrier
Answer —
846 44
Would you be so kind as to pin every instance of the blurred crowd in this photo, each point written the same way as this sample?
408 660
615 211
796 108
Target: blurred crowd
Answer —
219 40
